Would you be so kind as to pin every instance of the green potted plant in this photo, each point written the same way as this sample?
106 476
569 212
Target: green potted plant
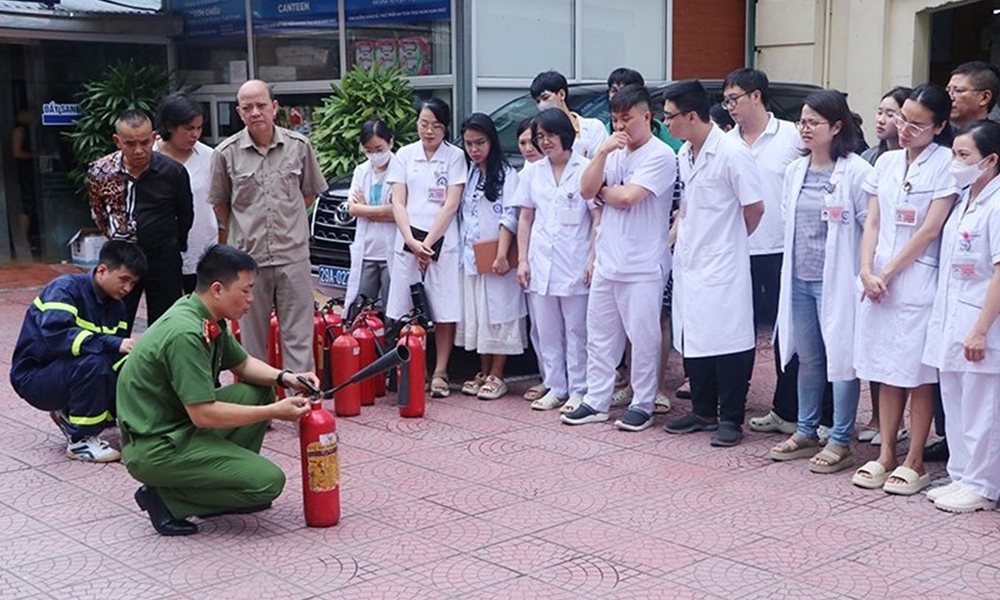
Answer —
124 85
362 95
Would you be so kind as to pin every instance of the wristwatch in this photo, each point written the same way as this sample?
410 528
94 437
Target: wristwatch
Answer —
281 377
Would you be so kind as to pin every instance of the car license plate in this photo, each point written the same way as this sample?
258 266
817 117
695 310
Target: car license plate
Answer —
336 276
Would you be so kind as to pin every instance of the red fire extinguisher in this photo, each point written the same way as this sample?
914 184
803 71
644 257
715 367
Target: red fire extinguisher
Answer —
366 344
320 466
345 360
320 342
377 327
411 375
274 349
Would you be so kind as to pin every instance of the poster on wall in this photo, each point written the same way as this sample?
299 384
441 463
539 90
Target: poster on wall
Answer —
373 12
211 18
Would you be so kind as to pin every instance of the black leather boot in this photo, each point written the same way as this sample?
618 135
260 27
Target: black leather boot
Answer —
163 522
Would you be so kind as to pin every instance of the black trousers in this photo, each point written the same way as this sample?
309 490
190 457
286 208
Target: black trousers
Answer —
719 385
162 284
765 277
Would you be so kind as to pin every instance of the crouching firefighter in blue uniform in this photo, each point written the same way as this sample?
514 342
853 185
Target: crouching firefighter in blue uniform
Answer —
72 345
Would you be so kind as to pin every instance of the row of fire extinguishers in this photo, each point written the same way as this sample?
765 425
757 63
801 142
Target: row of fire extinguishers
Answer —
351 360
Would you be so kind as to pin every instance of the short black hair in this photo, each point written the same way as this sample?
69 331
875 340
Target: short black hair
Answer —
721 116
629 96
749 80
441 111
689 95
223 264
935 99
116 254
375 128
985 135
983 77
133 117
623 76
832 106
549 81
524 125
178 108
554 121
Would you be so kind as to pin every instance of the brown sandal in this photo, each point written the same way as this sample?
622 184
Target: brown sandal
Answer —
835 458
797 446
440 385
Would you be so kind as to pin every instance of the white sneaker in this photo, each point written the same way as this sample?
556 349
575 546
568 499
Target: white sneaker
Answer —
772 423
964 501
92 449
572 404
944 490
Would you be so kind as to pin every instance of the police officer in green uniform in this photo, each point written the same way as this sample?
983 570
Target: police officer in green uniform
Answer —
196 447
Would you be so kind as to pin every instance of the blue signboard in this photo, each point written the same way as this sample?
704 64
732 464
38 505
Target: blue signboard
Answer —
211 18
56 114
276 16
371 12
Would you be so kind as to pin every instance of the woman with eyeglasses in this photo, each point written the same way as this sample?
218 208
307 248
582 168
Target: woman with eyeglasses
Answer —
555 243
911 193
888 139
825 204
493 307
963 333
427 178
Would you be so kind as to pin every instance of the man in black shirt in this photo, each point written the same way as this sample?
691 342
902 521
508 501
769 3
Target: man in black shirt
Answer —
144 197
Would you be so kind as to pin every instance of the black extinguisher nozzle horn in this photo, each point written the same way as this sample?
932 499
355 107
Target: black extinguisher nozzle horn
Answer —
400 355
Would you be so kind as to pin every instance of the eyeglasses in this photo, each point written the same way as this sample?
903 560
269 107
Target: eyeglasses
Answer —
809 125
957 91
434 125
903 124
545 137
729 102
668 116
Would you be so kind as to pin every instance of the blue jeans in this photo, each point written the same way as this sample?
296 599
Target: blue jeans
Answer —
807 297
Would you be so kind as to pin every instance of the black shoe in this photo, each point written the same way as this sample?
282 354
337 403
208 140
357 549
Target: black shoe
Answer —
163 522
237 511
937 452
634 420
690 423
728 434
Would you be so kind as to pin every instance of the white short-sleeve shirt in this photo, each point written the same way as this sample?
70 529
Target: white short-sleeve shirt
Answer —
427 183
559 244
772 152
592 134
632 242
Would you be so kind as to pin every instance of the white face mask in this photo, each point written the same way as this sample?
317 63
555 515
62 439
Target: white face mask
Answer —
544 104
965 175
379 159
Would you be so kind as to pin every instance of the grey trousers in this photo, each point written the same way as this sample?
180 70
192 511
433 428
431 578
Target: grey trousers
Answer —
287 288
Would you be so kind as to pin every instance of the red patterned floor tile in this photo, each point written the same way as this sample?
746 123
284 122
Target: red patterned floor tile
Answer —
474 499
461 576
589 576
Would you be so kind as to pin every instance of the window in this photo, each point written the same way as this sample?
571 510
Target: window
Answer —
296 40
623 34
413 35
213 48
521 38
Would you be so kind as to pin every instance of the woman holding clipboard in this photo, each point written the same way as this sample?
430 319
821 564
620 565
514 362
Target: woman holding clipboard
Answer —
493 306
427 181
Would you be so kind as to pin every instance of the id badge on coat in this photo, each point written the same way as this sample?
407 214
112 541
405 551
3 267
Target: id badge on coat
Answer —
569 216
437 192
963 265
831 212
906 215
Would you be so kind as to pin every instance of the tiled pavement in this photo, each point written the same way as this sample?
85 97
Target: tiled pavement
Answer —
487 500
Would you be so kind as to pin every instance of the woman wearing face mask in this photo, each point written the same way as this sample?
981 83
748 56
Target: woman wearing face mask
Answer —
494 309
427 178
963 338
911 193
825 205
885 126
555 235
370 204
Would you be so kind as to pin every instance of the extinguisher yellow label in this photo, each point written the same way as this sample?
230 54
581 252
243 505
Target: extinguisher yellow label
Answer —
324 464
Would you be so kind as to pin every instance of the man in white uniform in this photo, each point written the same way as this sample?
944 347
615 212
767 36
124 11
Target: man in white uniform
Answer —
550 90
632 178
773 143
721 206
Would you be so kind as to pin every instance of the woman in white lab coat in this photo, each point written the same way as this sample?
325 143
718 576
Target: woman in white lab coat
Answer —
494 308
428 177
824 206
370 203
911 193
963 338
555 237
